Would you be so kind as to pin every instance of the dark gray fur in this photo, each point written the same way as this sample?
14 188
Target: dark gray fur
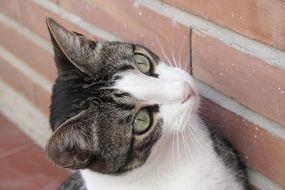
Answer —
74 182
92 124
230 157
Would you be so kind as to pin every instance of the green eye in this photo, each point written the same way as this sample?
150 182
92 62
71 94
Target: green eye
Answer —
142 121
142 62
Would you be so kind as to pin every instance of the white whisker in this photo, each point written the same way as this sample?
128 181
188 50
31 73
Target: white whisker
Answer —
163 52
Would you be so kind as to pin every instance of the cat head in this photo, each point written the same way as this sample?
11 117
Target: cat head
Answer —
112 101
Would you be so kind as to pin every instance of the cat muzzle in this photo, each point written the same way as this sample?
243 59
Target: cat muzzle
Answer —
188 92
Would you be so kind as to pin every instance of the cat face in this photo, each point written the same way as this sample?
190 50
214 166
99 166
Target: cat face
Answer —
111 103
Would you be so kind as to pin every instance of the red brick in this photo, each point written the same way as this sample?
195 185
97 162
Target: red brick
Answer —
11 9
11 138
259 148
29 169
25 85
249 80
17 80
23 165
261 20
34 18
135 24
31 53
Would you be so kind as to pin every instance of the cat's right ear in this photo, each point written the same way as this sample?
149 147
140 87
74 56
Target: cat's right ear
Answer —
71 49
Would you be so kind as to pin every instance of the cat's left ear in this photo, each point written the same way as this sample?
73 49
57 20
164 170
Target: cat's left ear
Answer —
79 50
71 144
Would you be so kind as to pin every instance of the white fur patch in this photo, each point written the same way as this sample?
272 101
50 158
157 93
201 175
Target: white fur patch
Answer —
168 88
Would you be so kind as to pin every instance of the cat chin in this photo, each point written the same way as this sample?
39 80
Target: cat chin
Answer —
177 117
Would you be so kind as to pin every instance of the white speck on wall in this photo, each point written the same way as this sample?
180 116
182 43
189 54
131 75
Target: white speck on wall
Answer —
221 74
255 136
233 15
140 13
152 44
125 25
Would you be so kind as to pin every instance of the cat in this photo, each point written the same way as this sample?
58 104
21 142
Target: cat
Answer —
125 119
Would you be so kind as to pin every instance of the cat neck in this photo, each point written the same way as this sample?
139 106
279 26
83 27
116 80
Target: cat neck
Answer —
182 146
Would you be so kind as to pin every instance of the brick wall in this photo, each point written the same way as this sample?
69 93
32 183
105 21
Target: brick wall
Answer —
234 49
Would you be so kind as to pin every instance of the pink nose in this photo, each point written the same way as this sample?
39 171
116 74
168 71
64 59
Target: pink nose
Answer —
188 92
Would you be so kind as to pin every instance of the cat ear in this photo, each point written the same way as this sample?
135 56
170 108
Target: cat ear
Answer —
71 47
71 146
